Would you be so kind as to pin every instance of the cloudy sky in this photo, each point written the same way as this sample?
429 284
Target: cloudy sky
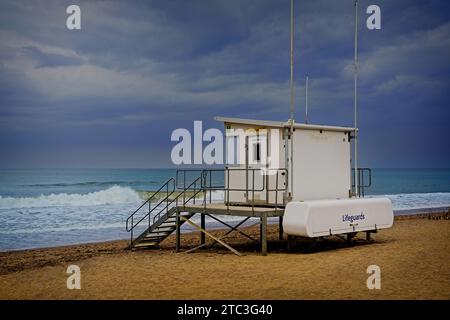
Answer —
110 94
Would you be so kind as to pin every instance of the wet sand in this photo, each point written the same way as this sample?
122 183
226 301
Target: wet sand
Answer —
414 257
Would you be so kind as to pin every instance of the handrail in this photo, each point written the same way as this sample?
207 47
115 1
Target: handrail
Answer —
360 177
170 185
176 199
249 188
222 187
279 170
165 199
165 185
177 174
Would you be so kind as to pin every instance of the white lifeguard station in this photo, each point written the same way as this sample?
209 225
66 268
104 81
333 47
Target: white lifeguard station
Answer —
302 173
313 168
316 159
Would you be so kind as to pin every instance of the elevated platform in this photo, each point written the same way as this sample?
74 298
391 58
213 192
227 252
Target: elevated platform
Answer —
233 210
222 209
190 193
167 209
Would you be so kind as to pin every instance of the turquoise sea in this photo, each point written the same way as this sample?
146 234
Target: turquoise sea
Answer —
40 208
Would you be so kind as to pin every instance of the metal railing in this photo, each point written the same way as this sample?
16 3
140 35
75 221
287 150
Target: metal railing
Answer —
202 182
207 183
364 177
166 201
168 187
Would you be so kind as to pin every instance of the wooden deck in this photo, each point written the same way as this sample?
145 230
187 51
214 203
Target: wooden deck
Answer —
222 209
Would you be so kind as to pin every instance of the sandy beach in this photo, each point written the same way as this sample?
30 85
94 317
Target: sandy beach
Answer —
413 256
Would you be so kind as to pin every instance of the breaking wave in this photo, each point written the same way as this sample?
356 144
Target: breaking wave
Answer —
112 195
96 184
406 201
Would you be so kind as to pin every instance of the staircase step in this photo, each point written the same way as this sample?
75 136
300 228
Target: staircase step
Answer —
155 236
163 229
145 244
151 240
160 233
174 220
167 224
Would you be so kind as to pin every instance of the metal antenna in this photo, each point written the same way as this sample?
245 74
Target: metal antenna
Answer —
291 82
355 73
291 85
306 100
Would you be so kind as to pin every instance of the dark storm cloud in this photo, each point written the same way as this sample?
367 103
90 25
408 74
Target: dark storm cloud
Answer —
137 70
42 60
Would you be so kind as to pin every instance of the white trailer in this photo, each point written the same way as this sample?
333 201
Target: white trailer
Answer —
321 218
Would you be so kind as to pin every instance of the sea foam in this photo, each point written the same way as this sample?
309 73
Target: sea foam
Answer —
112 195
407 201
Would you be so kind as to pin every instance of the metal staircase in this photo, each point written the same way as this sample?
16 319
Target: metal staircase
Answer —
157 216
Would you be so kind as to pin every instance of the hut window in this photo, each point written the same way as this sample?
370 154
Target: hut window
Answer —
257 152
233 150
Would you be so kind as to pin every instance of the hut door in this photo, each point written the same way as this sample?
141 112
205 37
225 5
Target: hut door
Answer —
256 154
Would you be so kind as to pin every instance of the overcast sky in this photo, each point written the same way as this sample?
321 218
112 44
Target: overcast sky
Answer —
110 94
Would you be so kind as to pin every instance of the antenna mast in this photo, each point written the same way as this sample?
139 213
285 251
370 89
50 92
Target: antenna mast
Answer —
291 82
306 100
291 116
355 70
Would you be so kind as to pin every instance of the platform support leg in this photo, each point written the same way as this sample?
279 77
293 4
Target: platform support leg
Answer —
368 236
290 243
202 225
260 229
350 237
280 229
178 233
264 235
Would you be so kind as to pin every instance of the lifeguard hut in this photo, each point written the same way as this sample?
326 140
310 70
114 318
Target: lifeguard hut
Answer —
316 161
309 184
302 173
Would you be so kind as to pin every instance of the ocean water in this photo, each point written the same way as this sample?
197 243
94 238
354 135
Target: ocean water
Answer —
41 208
